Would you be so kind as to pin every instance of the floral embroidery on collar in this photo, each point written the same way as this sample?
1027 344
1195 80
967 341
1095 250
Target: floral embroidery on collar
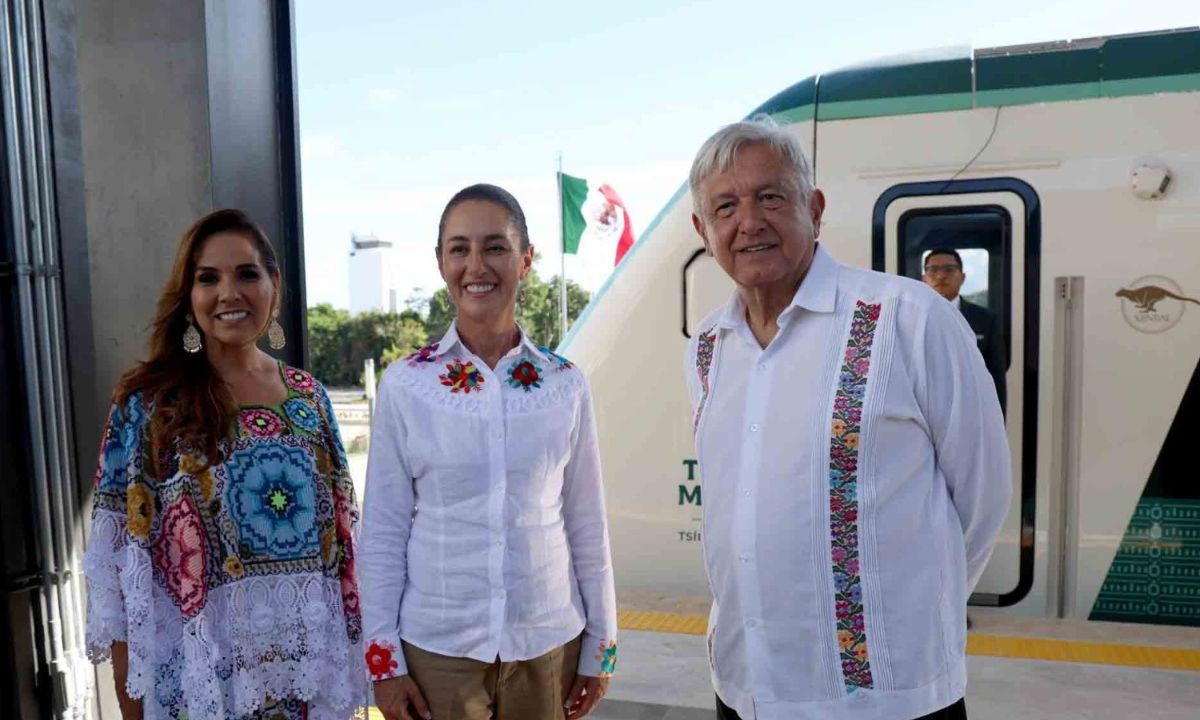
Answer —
560 362
299 381
261 422
524 374
302 414
424 355
843 498
462 377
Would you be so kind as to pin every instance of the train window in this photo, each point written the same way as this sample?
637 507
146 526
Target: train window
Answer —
981 235
705 287
975 263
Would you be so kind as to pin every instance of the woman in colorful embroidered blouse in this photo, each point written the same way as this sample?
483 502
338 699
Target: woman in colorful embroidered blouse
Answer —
220 567
487 583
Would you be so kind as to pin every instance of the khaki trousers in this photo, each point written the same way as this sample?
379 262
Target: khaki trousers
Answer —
466 689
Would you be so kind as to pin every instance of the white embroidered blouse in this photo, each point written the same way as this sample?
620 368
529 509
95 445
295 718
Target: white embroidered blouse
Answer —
856 473
484 530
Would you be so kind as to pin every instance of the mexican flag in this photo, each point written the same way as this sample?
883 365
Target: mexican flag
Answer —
593 217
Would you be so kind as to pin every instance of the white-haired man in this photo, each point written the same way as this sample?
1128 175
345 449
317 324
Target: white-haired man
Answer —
853 457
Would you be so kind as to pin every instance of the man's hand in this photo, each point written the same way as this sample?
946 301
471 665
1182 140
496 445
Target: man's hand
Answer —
394 696
585 693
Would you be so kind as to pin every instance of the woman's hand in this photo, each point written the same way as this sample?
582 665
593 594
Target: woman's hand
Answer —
585 693
394 695
130 709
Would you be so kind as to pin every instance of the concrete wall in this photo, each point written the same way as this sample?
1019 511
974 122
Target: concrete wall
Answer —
144 106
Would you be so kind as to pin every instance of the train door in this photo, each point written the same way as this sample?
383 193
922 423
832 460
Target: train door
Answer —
994 225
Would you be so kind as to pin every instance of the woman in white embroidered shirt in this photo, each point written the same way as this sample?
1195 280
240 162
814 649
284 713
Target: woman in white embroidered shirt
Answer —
487 581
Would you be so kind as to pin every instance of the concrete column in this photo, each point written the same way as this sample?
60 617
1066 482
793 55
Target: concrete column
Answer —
186 106
144 108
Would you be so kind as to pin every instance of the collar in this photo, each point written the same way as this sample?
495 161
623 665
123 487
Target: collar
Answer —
817 293
957 302
451 339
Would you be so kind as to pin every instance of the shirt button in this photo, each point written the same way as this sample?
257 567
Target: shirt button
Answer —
746 493
753 427
744 557
751 624
499 543
762 366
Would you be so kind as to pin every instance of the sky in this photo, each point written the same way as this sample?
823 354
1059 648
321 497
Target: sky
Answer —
402 103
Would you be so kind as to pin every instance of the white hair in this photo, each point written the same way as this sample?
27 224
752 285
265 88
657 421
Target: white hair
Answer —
717 154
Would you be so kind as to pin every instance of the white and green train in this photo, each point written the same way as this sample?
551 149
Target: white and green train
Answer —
1068 176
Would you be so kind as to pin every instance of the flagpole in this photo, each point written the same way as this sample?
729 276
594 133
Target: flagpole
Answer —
562 245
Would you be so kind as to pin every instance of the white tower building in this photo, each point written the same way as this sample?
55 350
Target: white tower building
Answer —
371 282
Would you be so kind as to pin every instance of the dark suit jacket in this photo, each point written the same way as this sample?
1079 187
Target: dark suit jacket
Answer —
990 339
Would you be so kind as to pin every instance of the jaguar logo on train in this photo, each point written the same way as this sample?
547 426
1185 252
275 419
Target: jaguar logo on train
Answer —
1153 303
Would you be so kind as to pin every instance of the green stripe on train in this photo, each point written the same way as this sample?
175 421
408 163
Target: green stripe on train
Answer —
1155 576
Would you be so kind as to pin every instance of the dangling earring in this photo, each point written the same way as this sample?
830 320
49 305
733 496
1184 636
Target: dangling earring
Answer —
275 336
191 337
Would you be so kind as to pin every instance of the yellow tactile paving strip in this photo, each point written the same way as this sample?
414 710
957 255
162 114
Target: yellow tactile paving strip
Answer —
1008 646
662 622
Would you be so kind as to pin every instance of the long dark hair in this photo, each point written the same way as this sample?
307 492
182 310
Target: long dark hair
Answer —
191 403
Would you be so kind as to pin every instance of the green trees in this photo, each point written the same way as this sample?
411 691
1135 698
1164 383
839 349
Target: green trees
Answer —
538 311
339 344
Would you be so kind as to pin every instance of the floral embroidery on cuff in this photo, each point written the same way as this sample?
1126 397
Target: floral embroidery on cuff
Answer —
380 662
524 374
462 377
607 657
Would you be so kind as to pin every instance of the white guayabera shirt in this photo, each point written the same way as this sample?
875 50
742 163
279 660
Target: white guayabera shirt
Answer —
484 530
856 473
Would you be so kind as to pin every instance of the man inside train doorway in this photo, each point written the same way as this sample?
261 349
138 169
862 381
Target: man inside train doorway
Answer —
944 273
853 456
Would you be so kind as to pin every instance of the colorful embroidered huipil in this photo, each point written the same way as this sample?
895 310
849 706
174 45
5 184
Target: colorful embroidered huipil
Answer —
233 584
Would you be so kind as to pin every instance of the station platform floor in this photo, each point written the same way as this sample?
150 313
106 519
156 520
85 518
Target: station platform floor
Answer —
1017 668
1032 669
